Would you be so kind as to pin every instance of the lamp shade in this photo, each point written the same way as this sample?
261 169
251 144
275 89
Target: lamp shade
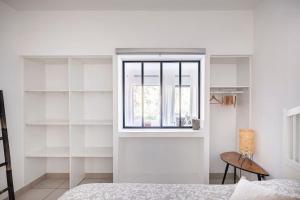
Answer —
247 142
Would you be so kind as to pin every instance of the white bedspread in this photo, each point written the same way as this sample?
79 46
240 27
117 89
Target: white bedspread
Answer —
129 191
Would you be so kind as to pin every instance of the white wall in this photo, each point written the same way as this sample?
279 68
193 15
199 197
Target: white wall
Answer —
275 77
71 33
10 84
221 32
162 160
222 135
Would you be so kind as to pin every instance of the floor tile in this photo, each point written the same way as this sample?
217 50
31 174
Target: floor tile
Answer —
107 180
95 180
35 194
49 184
55 194
65 185
215 181
219 181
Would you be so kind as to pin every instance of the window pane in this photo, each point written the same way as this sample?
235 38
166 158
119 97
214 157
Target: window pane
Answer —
170 107
133 94
189 92
151 94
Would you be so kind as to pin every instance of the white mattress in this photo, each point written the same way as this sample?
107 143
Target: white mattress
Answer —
130 191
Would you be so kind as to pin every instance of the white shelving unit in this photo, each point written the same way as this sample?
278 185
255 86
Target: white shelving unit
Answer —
229 76
68 125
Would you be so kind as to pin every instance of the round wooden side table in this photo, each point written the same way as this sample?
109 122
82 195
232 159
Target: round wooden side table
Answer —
235 159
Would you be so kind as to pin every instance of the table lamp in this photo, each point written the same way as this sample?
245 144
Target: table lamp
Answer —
247 143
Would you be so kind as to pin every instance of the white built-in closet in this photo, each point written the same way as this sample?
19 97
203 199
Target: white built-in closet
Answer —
67 116
229 76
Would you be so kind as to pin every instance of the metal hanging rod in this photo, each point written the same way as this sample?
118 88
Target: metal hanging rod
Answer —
227 92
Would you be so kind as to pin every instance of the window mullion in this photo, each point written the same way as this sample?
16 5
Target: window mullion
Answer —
142 77
161 95
179 94
199 88
123 76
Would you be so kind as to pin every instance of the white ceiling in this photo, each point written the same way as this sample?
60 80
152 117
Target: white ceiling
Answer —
132 4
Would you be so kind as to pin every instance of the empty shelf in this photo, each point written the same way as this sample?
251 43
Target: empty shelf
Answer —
229 87
227 92
50 152
92 90
54 91
66 122
93 152
93 122
48 123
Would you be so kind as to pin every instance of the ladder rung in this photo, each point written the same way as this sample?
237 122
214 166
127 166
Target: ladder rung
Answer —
3 164
2 191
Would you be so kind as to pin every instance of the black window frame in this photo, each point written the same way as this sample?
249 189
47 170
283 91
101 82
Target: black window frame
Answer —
161 91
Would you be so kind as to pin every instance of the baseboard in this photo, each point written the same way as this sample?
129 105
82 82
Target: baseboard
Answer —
99 175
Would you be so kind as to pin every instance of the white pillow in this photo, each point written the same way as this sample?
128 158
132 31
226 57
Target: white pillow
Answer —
246 190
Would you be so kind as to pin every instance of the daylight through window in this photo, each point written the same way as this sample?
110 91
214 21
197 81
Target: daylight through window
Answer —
160 94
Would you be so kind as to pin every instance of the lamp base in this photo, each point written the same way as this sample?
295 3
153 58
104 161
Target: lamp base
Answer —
245 157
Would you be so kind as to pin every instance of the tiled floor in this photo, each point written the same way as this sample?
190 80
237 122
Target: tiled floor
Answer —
51 189
219 181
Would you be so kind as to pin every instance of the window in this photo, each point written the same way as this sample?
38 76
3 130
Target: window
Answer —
160 94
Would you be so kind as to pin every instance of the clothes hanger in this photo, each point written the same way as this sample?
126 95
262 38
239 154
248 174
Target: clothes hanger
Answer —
213 97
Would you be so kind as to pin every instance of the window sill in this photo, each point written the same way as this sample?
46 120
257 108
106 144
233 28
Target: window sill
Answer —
160 133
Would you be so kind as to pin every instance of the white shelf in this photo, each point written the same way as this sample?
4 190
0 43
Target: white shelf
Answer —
43 74
48 123
226 92
93 152
46 91
83 90
100 90
93 122
50 152
66 122
229 87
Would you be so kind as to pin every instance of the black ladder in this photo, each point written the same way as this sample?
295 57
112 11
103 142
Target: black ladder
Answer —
7 163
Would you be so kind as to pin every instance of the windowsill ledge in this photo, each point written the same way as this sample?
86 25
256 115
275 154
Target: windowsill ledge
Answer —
155 133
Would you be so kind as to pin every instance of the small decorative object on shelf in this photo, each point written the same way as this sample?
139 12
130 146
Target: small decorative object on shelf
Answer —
196 124
247 143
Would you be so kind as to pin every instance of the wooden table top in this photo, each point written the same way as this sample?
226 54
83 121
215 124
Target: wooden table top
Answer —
234 159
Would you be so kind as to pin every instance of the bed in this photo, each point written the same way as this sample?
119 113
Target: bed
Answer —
135 191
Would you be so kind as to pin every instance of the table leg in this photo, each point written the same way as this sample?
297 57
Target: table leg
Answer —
259 177
234 175
224 177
